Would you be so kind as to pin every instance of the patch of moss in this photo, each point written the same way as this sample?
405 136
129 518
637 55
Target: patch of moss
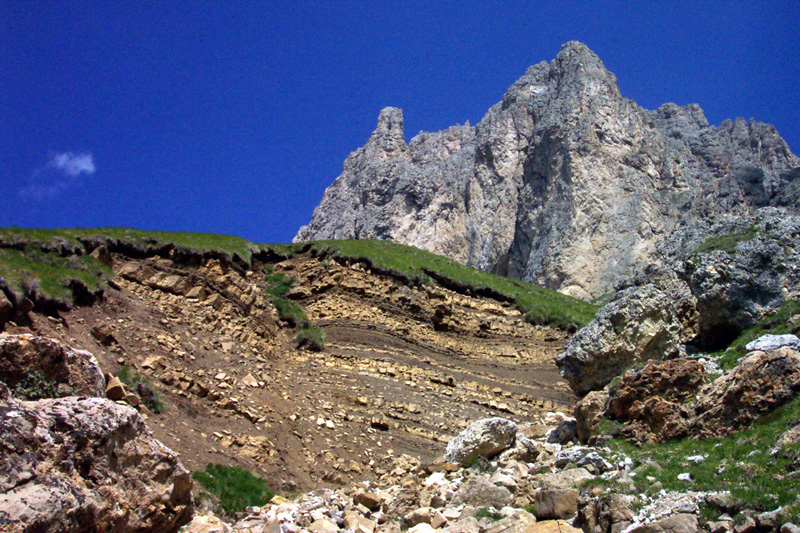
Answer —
726 242
235 488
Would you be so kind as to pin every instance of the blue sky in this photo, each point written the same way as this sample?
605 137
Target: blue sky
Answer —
233 117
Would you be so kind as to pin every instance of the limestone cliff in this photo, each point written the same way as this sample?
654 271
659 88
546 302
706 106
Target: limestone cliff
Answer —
564 183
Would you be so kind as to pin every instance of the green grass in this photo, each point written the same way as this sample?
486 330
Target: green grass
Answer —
291 313
740 463
199 242
484 512
235 487
34 271
726 242
131 380
539 305
775 324
311 338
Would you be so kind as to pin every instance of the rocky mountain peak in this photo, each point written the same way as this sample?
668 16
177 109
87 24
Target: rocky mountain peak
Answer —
564 182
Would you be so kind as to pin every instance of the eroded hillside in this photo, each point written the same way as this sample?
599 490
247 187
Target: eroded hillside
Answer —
406 366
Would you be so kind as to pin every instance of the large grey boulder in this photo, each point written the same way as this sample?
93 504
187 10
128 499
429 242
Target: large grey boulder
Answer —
86 464
641 323
486 437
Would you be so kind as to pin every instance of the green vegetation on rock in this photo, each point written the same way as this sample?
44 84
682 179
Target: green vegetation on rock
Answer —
539 305
726 242
41 264
235 488
132 380
34 271
741 463
777 323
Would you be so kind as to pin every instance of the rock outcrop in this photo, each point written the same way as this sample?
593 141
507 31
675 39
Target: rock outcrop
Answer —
86 464
672 399
75 371
564 183
641 323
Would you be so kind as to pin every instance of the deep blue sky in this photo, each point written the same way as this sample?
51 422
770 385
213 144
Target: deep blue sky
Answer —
233 117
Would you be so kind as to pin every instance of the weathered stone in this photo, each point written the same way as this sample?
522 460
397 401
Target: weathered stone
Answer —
418 516
116 477
677 523
641 323
757 385
589 412
552 526
566 479
370 500
652 401
464 525
519 522
555 504
323 526
486 437
357 523
23 355
104 334
115 390
767 343
480 492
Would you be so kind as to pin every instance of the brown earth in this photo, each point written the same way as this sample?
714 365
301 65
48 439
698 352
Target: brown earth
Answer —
403 371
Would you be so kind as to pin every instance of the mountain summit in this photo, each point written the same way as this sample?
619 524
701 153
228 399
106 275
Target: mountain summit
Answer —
564 182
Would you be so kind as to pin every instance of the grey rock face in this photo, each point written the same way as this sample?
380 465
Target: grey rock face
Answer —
486 437
641 323
564 183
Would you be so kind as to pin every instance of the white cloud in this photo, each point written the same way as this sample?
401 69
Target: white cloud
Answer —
73 165
61 172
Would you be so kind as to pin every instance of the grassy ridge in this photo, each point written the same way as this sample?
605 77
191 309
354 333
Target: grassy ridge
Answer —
32 270
51 273
539 305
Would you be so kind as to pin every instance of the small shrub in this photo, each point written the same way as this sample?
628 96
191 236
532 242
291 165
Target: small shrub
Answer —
136 384
36 386
483 512
291 313
235 487
311 338
279 285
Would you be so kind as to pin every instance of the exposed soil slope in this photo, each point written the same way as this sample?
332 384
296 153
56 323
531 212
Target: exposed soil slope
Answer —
405 368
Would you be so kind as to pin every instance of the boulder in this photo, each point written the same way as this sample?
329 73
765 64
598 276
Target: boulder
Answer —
115 390
642 323
22 356
519 522
555 504
104 334
565 432
652 401
370 500
480 492
71 464
761 382
677 523
589 412
767 343
486 438
737 288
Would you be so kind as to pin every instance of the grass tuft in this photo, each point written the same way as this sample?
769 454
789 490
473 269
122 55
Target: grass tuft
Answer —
132 380
311 338
235 487
726 242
